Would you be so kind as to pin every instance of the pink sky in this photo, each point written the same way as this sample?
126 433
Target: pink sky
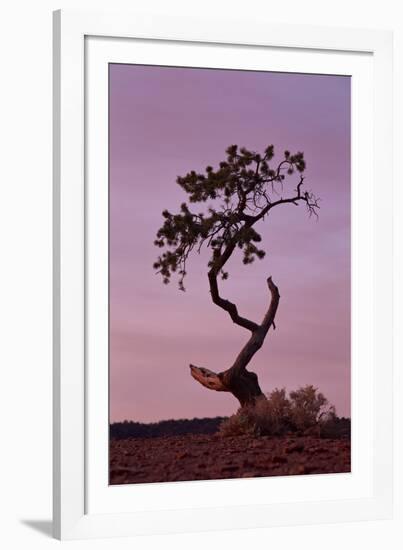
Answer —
167 121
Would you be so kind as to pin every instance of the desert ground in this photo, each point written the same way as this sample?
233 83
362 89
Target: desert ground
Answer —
211 456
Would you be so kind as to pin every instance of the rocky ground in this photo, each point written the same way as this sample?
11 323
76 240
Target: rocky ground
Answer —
198 457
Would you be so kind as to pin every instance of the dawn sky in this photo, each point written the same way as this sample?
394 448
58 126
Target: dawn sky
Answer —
167 121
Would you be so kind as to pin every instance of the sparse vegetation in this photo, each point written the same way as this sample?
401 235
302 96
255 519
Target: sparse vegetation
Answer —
305 436
304 410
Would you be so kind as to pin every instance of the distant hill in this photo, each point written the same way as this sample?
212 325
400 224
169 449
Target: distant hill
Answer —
125 429
335 428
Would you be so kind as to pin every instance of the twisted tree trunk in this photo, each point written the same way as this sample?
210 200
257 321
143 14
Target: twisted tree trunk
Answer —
243 384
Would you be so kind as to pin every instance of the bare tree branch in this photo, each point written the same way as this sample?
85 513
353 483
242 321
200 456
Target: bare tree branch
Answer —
228 306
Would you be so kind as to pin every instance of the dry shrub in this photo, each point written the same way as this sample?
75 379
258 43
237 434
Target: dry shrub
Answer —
238 424
303 409
309 408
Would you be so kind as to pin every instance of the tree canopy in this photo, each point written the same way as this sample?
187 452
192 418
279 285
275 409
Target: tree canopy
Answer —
237 194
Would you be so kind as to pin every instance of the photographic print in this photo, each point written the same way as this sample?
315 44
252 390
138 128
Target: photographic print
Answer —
229 274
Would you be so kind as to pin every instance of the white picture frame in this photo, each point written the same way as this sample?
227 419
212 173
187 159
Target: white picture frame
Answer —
84 506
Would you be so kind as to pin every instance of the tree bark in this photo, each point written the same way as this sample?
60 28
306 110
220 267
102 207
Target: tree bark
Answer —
243 384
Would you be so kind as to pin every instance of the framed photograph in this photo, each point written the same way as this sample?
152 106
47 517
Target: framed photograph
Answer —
222 274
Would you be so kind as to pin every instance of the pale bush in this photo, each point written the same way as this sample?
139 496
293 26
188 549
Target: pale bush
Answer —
269 416
309 408
278 414
238 424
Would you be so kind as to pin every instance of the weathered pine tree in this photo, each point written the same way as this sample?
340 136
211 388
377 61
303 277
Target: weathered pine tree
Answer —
241 192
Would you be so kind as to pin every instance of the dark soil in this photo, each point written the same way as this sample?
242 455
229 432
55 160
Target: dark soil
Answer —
201 457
